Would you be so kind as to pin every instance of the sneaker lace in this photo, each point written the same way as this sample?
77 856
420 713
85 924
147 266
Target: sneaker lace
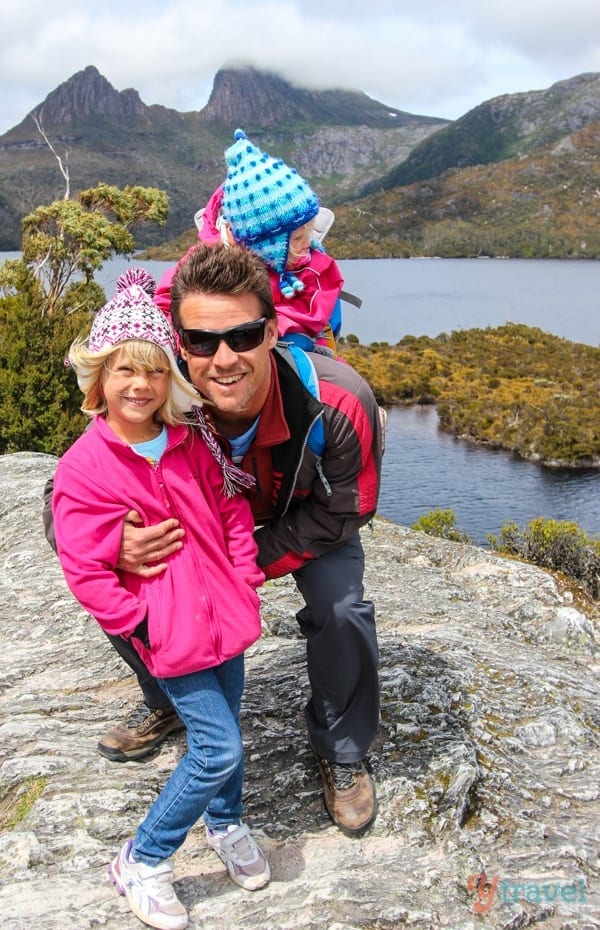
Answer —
160 886
245 850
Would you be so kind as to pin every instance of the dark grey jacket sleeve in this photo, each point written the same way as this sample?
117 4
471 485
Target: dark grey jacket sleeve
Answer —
48 515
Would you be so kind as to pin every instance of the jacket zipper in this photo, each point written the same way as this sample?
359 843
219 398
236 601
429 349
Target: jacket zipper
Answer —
212 627
318 467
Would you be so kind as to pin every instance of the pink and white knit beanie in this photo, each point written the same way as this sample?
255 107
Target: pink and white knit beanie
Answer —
132 314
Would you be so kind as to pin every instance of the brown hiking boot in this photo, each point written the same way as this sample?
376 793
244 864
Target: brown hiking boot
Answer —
349 795
144 730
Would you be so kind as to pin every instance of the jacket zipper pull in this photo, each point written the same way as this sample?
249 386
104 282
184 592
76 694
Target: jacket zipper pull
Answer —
324 480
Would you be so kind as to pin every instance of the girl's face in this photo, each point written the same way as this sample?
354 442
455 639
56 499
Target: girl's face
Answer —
299 248
133 394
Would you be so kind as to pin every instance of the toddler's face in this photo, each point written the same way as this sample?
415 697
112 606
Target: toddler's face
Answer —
299 249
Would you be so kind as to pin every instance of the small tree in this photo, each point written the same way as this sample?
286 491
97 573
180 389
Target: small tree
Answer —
66 242
50 294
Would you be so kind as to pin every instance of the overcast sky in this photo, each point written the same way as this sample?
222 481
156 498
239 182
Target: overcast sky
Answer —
434 58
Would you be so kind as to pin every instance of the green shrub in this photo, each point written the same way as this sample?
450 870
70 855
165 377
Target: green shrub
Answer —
39 397
440 523
556 544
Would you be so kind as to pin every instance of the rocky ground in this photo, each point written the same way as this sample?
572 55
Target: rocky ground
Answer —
487 762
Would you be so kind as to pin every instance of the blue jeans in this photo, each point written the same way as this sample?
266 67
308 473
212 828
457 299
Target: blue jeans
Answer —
342 714
208 779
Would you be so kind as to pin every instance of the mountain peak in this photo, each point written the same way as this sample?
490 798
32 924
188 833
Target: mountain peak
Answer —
253 99
87 95
245 96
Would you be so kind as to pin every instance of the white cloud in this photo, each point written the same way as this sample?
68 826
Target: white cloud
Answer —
434 59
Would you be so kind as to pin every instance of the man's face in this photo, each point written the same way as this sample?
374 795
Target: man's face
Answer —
237 383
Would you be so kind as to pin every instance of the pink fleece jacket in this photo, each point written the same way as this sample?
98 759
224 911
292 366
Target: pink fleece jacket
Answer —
307 312
204 608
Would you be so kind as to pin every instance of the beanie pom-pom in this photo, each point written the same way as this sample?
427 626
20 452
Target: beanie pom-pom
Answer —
239 134
289 285
136 276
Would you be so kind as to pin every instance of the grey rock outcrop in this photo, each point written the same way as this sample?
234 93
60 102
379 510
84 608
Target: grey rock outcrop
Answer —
487 762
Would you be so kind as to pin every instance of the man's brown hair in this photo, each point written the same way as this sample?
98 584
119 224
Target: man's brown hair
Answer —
220 269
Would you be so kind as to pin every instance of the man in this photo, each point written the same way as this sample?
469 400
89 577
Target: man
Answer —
308 512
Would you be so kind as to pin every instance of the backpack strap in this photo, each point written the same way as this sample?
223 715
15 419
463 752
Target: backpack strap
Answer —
308 375
297 340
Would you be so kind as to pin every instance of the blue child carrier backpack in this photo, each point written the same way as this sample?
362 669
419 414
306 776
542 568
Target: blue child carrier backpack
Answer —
308 376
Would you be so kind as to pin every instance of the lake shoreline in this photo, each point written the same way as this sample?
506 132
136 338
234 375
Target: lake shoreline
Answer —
427 468
591 463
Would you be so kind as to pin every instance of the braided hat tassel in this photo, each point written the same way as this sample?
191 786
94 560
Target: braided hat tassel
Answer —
234 479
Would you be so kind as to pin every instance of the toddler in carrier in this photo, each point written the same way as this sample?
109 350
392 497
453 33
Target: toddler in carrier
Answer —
271 210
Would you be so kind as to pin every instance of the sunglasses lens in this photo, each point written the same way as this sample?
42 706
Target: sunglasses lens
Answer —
199 343
239 338
244 338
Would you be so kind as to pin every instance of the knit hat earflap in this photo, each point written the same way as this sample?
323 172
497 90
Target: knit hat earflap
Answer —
264 201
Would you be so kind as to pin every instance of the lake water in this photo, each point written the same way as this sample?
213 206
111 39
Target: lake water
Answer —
428 296
425 468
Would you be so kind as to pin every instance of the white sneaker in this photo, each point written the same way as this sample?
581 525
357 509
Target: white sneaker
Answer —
149 891
246 863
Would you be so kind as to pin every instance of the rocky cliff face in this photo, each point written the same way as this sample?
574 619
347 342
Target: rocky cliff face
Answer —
487 761
88 95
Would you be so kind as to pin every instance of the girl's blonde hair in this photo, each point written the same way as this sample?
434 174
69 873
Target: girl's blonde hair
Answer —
143 356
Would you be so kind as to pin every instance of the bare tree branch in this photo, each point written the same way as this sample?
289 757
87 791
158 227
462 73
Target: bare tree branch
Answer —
64 168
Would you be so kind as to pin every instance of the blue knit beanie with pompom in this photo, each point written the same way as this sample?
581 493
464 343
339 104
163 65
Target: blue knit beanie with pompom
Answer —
264 201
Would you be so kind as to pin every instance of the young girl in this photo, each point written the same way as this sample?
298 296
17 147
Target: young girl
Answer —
268 208
191 624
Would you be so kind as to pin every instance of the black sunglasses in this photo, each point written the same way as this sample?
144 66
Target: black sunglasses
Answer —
242 338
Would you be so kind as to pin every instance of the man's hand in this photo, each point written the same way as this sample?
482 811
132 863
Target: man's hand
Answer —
142 545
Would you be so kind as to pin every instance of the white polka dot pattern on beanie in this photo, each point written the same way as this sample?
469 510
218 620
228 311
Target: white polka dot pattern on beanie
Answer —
264 201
